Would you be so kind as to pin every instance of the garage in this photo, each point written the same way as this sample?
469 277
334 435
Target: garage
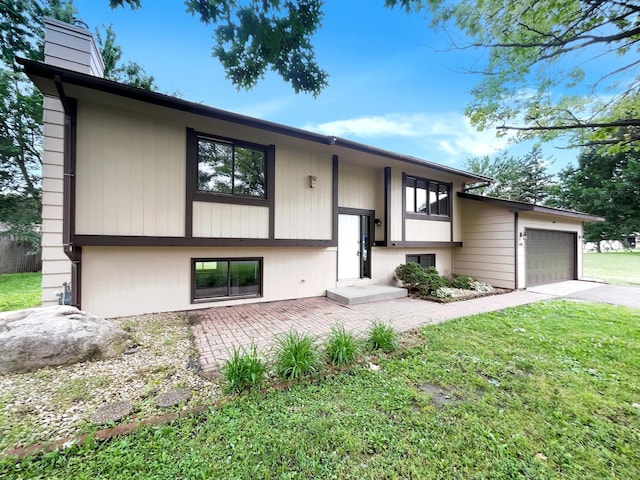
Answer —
550 256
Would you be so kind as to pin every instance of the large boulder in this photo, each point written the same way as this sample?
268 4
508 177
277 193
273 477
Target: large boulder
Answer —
60 335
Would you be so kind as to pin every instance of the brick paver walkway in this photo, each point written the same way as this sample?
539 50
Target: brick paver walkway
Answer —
217 330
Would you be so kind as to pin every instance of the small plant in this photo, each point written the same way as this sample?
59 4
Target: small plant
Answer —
460 281
342 346
296 355
382 337
244 370
444 292
480 286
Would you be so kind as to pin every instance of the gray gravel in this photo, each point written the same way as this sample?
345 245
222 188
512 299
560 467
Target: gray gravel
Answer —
56 403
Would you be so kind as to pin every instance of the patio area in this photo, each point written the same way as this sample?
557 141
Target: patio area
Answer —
217 330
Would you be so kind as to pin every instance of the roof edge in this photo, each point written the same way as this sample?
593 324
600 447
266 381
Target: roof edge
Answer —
39 69
518 206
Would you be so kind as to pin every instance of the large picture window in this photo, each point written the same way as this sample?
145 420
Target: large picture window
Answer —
218 278
427 196
231 168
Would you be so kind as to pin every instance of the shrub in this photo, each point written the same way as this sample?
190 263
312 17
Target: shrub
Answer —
382 337
342 346
417 279
460 281
296 355
244 370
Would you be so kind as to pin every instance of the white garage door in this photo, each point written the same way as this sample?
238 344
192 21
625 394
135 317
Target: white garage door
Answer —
550 256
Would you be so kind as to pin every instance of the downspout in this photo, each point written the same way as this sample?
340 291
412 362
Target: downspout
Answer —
74 253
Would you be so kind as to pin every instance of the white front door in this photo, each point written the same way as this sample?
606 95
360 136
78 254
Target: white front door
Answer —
349 247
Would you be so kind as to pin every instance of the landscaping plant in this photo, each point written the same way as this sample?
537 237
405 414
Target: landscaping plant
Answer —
244 369
296 355
342 346
382 337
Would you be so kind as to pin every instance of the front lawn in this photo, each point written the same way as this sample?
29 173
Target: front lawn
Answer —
618 268
20 290
544 391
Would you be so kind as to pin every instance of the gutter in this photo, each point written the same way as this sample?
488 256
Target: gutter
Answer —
73 253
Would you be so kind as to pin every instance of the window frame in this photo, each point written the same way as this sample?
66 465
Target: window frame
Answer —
193 143
430 255
229 296
426 185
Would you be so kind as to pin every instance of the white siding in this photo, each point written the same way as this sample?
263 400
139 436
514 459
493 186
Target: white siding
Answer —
302 212
224 220
71 47
129 281
358 187
385 260
427 231
488 239
130 174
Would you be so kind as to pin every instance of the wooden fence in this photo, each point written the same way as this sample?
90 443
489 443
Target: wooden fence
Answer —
15 257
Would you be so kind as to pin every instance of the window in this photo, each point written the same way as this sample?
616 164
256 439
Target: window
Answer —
223 278
425 260
427 196
231 168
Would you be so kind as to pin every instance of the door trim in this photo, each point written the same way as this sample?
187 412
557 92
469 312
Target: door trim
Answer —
370 214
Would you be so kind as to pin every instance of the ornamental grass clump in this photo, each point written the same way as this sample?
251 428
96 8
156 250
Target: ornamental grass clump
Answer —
342 347
244 370
296 355
382 337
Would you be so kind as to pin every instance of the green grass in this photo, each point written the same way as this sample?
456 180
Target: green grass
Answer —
544 391
20 290
244 370
618 268
342 347
382 337
296 355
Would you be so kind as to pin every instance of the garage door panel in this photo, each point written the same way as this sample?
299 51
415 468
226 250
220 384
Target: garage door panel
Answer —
550 256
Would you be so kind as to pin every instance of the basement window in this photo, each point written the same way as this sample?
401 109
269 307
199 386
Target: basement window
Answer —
223 278
425 259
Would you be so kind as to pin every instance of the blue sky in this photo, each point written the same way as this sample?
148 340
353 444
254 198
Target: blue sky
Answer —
394 83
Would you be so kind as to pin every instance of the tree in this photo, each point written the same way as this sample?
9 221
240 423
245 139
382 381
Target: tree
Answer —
607 185
21 34
521 179
255 36
535 50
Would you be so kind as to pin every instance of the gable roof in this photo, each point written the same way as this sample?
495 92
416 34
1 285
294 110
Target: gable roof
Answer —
517 206
50 80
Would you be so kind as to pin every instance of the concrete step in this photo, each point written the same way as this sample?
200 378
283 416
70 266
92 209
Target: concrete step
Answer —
365 294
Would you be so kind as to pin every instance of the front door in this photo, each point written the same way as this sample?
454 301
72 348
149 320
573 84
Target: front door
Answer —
354 249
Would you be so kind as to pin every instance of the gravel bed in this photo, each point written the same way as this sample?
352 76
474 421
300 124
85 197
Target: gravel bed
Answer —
56 403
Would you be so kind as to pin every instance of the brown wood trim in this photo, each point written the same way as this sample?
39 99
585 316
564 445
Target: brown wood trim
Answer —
387 206
451 211
426 244
515 247
260 261
356 211
140 241
229 198
270 173
404 206
191 180
335 199
425 216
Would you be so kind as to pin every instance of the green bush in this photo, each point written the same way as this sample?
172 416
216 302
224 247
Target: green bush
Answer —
296 355
244 370
419 280
382 337
460 281
342 346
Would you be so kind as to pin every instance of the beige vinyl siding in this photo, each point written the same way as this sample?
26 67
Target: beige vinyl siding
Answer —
56 267
427 231
71 47
130 174
456 212
302 212
130 281
357 187
385 260
545 222
224 220
396 205
488 244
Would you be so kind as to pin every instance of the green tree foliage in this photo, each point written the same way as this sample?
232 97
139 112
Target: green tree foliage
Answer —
539 50
607 185
255 36
22 35
523 179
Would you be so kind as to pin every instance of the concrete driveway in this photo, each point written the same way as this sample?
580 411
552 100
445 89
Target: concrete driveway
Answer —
625 295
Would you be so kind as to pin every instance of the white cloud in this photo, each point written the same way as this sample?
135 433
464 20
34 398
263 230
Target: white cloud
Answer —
449 132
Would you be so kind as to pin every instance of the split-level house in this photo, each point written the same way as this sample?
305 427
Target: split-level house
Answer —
153 203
